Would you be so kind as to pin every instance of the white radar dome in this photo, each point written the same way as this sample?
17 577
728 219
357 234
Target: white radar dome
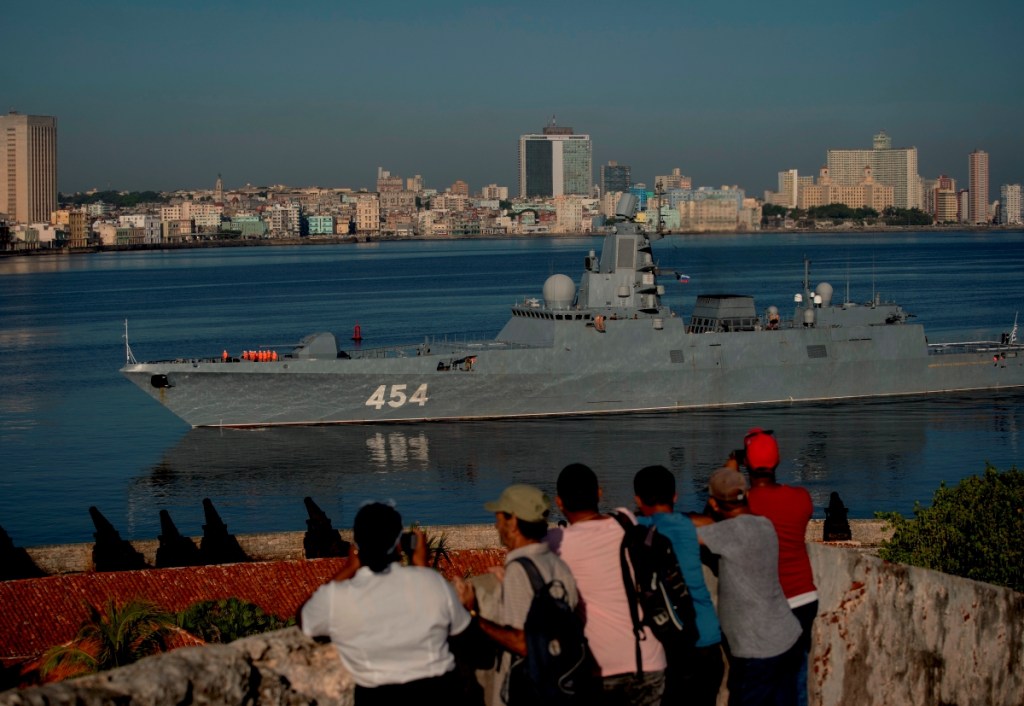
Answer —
559 292
824 290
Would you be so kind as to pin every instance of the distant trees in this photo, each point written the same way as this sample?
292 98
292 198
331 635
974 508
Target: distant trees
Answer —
114 198
906 217
841 211
973 530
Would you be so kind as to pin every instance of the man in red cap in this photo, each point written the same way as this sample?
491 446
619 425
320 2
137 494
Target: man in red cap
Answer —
789 508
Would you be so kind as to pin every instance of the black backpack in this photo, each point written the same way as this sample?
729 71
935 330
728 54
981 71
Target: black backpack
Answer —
558 668
656 585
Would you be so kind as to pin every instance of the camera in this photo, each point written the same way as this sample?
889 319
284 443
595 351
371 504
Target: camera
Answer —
408 542
740 455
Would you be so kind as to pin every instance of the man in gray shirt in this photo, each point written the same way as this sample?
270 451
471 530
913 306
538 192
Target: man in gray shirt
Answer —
760 630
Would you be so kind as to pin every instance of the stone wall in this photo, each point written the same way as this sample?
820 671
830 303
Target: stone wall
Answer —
896 634
886 634
283 668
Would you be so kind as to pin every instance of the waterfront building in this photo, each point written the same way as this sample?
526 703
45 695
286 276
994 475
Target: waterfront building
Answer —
608 202
890 167
642 194
176 231
401 200
866 193
675 180
1010 204
386 182
615 177
569 214
284 220
414 184
710 210
248 226
939 199
787 190
218 190
460 188
321 225
963 198
495 192
28 155
148 224
555 162
78 228
367 214
977 203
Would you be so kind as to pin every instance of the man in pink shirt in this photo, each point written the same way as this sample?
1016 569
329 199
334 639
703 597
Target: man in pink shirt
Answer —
789 508
632 666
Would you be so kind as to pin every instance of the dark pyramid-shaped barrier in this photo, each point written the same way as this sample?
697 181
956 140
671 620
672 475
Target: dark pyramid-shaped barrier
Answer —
110 552
175 549
321 539
15 563
218 547
837 526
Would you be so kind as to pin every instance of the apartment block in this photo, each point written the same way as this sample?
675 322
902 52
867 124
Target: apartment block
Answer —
977 202
890 167
28 157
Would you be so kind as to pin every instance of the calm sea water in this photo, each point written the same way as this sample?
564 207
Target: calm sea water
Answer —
74 433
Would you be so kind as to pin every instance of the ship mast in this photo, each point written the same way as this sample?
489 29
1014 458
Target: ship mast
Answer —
129 358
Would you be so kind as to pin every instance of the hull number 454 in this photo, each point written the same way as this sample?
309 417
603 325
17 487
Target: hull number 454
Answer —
395 396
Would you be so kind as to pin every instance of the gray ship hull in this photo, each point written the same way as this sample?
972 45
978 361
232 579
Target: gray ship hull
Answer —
630 367
606 345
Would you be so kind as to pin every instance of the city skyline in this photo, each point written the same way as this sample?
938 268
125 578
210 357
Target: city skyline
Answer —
165 97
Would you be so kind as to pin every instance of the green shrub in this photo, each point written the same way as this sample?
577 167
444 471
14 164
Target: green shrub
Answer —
974 529
228 619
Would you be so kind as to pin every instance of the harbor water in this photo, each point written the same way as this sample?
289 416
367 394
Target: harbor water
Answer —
74 433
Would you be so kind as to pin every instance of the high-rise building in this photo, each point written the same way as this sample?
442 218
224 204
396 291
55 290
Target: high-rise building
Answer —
28 157
554 163
615 177
1010 204
977 203
892 167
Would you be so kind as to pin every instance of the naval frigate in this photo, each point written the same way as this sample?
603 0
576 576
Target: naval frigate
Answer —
607 346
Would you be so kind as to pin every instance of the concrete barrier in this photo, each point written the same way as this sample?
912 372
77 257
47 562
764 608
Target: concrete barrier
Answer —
885 634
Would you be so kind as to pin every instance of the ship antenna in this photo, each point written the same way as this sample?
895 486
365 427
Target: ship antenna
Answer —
129 358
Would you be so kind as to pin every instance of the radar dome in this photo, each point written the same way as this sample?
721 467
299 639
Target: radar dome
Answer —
825 291
559 292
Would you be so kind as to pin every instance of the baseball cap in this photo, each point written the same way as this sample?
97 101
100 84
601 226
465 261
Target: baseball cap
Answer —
762 449
727 485
526 502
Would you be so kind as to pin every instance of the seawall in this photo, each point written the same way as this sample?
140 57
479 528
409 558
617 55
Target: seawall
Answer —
58 559
885 634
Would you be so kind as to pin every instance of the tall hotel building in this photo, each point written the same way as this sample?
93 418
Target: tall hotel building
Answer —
28 158
555 163
977 204
892 167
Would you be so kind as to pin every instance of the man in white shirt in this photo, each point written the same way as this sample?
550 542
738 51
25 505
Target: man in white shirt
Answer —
390 623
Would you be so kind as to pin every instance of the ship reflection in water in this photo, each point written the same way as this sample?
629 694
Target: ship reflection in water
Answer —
878 454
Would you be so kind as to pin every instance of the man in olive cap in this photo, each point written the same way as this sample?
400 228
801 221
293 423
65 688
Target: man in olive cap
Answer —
521 518
761 632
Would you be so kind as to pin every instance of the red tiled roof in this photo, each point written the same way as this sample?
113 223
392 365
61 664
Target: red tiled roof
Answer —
40 613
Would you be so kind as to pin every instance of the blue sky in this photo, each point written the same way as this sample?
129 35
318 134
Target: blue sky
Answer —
153 95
